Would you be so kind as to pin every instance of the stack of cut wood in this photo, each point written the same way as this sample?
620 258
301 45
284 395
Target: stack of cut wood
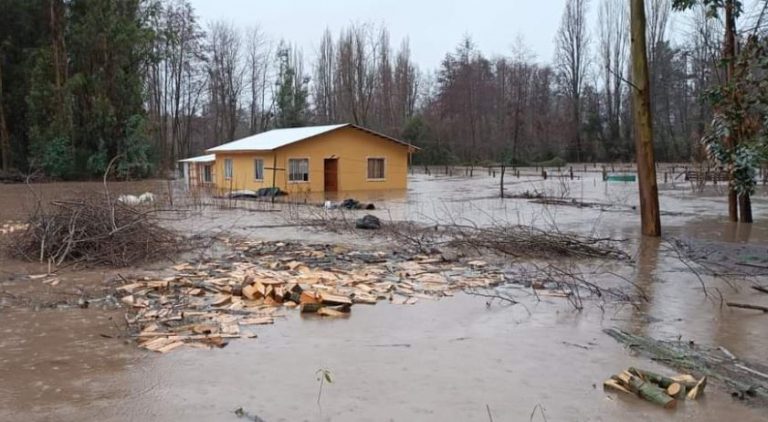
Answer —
655 388
204 304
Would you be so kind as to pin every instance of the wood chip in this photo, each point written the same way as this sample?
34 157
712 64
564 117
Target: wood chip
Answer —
257 321
330 312
221 300
331 299
130 288
169 347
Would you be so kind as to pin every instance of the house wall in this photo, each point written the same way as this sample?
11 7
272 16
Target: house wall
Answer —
193 174
350 146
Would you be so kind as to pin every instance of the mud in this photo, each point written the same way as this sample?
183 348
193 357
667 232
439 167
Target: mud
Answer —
443 360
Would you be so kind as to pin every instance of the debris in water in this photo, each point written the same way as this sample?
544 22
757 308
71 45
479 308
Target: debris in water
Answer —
658 389
745 379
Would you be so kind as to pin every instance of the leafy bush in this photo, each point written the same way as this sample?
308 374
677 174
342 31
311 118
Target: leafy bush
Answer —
57 158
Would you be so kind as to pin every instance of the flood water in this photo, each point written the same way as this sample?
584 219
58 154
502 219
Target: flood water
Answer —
444 360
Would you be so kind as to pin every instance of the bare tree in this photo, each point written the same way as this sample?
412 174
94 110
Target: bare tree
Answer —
406 89
225 79
173 81
657 19
614 36
324 87
571 61
258 66
355 81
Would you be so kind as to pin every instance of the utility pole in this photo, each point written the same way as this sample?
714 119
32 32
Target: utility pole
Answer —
643 124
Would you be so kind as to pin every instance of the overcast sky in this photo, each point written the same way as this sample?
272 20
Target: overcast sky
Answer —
434 27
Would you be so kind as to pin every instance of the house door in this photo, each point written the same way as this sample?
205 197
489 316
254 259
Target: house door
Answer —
331 175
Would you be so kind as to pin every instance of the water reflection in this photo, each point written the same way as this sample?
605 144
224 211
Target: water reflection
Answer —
644 279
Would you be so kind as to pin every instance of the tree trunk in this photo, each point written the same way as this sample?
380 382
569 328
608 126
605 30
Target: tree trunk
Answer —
5 142
729 54
745 207
641 104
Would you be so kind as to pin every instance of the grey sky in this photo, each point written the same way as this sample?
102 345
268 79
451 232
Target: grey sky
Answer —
434 27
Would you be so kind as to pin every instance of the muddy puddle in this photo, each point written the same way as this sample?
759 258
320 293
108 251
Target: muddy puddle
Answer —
451 359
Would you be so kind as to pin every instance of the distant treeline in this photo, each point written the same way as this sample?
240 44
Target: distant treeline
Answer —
84 81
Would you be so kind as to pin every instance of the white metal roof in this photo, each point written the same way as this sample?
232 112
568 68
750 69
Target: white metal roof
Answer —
278 138
274 139
200 159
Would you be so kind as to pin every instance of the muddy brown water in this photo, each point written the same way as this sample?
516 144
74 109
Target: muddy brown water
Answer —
443 360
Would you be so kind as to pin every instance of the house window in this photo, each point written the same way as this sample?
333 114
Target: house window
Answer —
298 170
258 169
228 168
375 168
207 174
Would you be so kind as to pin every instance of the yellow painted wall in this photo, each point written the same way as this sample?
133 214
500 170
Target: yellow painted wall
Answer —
352 147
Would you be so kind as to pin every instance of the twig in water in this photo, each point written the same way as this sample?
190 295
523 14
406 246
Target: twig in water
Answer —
541 409
747 306
323 375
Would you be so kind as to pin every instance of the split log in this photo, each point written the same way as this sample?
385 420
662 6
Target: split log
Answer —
364 298
646 390
257 321
685 379
651 393
660 380
330 312
747 306
308 297
612 384
697 390
331 299
250 292
222 300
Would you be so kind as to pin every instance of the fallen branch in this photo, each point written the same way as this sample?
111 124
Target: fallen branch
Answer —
95 231
747 306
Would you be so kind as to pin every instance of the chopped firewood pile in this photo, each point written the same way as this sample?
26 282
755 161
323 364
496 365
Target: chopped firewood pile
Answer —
745 379
655 388
204 304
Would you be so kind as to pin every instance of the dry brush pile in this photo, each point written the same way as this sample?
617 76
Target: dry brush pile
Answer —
516 240
93 231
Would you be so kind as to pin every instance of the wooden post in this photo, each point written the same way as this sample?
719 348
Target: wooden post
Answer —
274 174
643 123
544 173
571 171
501 181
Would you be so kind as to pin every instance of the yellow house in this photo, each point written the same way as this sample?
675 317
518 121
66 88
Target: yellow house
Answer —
312 159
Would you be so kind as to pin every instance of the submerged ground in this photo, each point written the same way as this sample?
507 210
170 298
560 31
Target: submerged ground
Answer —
452 359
